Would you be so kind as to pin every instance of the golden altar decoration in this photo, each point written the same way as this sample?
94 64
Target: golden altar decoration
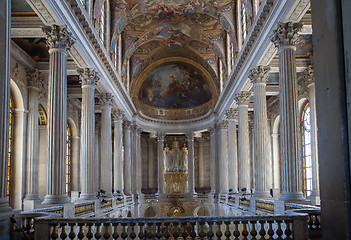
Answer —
176 169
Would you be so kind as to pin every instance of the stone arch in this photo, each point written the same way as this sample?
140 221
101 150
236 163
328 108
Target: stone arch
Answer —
150 212
201 211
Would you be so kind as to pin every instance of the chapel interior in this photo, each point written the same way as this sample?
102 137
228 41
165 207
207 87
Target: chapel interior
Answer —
175 119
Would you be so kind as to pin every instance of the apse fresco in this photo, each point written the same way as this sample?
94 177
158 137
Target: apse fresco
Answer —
175 86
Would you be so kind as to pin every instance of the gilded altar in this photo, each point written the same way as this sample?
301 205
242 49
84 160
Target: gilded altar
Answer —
176 182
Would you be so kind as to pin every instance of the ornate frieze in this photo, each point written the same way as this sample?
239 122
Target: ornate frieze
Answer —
259 74
58 37
286 34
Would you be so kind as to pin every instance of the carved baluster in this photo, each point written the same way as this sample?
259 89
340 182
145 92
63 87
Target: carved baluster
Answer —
115 234
141 234
270 231
80 234
219 233
167 235
124 235
245 233
132 235
89 234
159 233
63 234
310 222
184 232
210 233
262 231
72 234
288 231
54 234
192 232
202 234
97 233
253 231
317 222
279 230
227 232
106 234
236 231
176 230
149 233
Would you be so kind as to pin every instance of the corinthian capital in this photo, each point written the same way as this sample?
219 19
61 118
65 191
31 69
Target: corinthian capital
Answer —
223 124
231 113
117 114
286 34
259 74
308 75
106 99
35 78
242 97
58 37
87 76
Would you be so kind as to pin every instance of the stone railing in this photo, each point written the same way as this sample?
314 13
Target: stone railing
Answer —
253 227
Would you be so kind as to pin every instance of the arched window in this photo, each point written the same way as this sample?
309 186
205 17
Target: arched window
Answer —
306 150
68 161
243 21
102 23
9 159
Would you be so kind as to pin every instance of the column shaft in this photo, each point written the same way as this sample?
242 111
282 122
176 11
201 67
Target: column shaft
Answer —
202 165
213 159
151 172
223 158
232 150
161 164
127 160
191 170
118 151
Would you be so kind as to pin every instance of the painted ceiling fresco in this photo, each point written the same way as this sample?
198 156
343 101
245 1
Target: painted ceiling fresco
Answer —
175 86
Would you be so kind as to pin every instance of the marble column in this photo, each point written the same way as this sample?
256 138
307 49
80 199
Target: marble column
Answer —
242 98
127 159
161 163
59 41
88 170
285 37
34 85
308 76
258 76
232 149
191 165
202 165
276 164
223 157
138 175
151 170
106 143
213 159
118 150
75 164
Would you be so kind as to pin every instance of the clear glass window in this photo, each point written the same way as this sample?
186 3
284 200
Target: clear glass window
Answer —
306 153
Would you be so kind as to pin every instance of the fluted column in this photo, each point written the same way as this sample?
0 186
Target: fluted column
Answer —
242 99
5 47
88 78
308 76
59 41
138 177
213 158
127 159
202 166
284 37
263 182
34 84
118 150
223 157
161 163
151 170
106 143
232 149
191 165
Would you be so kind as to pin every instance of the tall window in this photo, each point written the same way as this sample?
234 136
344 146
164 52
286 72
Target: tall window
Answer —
306 153
102 24
68 161
243 20
9 159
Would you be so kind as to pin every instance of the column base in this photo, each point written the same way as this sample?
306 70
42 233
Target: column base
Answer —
87 196
30 204
4 206
262 195
293 197
315 198
55 199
